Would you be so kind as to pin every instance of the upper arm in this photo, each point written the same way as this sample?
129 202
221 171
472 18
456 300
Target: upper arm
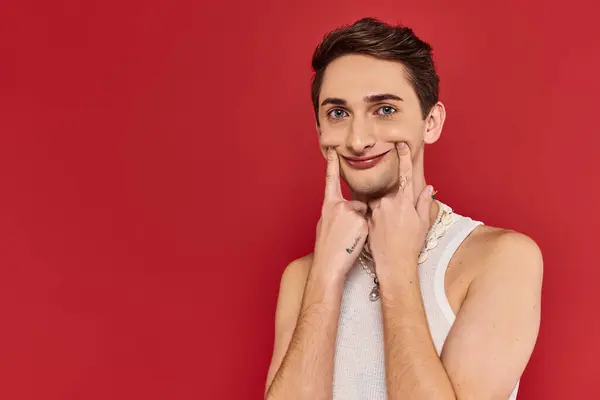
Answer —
289 301
496 328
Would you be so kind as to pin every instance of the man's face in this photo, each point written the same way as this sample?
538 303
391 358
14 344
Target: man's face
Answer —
366 105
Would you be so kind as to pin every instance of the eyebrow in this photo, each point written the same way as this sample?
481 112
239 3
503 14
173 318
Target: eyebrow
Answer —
374 98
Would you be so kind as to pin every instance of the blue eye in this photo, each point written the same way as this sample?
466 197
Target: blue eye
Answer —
386 110
336 113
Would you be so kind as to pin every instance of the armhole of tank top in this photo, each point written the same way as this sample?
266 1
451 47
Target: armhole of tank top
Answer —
439 285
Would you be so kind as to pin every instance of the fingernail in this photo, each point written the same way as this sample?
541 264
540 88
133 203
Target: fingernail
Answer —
401 145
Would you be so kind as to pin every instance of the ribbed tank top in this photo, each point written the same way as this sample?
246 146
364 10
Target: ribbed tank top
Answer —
359 367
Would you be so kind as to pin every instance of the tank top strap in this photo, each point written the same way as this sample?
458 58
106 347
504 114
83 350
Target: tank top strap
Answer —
432 276
463 227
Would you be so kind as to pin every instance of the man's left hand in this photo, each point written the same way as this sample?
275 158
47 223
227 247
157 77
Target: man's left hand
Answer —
398 225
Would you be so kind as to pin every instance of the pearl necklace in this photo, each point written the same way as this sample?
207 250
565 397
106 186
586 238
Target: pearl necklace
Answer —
438 229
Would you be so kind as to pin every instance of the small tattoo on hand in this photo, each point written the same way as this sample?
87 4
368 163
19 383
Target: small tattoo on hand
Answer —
351 249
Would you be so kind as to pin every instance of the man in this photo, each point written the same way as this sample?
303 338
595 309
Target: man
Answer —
402 298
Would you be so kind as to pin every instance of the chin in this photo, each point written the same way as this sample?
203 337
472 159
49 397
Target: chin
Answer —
370 188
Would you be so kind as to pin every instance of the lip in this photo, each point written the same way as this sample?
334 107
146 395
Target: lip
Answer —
364 162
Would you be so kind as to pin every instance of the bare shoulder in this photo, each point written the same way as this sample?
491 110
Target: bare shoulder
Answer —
500 245
296 272
497 251
489 252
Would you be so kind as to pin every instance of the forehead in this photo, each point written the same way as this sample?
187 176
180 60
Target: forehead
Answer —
351 77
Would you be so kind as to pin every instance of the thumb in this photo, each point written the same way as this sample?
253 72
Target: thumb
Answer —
424 203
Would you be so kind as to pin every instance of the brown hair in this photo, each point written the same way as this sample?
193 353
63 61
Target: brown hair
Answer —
372 37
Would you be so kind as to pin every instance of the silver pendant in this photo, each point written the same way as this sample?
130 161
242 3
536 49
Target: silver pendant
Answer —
374 295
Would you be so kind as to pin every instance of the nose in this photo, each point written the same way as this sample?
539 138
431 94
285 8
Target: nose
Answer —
360 137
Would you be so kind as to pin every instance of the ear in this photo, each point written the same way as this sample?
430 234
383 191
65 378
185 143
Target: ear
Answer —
434 123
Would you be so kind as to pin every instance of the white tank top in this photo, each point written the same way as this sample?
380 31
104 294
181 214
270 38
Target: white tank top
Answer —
359 367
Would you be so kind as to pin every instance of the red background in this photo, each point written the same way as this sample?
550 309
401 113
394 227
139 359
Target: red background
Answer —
159 168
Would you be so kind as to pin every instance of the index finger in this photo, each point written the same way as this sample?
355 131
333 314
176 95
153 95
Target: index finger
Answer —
405 170
333 188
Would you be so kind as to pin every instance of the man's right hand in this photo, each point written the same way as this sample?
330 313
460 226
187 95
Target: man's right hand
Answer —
342 229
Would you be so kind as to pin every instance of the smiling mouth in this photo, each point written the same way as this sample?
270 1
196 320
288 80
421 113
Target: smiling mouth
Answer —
364 163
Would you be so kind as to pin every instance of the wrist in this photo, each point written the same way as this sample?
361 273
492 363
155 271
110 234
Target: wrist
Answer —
326 274
323 284
398 277
397 268
320 300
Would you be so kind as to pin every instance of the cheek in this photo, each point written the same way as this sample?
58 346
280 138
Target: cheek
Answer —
394 133
400 133
391 133
332 136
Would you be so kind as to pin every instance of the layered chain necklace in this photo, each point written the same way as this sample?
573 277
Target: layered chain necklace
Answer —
437 230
